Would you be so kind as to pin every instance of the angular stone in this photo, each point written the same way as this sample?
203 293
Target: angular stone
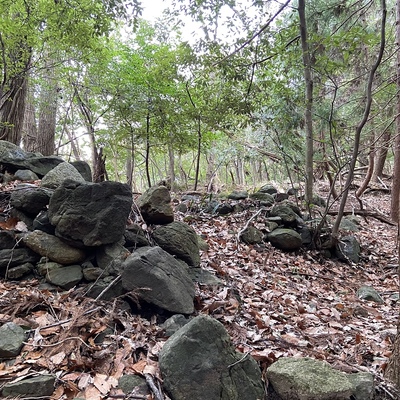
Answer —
53 248
12 337
7 240
199 362
363 385
348 249
285 239
65 277
84 169
238 195
30 199
251 235
270 189
135 237
13 257
160 279
155 205
179 239
54 178
25 175
370 294
37 387
308 379
265 198
90 214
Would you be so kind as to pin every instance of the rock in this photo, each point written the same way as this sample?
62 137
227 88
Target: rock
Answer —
13 158
285 239
238 195
90 272
278 197
270 189
53 248
65 277
38 387
308 379
107 287
42 223
176 322
286 213
110 257
25 175
318 201
84 169
370 294
54 178
348 249
363 385
199 362
44 266
155 205
265 198
7 240
349 224
10 258
30 199
160 279
251 235
179 239
90 214
12 337
135 237
204 278
223 209
19 271
133 385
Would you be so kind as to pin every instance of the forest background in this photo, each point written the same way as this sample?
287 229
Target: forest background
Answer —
261 91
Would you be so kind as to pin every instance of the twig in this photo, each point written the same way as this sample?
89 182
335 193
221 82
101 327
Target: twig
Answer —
247 224
239 361
150 382
57 343
111 284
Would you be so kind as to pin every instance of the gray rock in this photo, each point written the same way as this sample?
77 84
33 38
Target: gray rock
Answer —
238 195
307 379
278 197
349 224
160 279
44 266
111 256
285 239
199 362
30 199
370 294
84 169
90 214
173 324
286 213
39 386
133 385
25 175
223 209
7 240
42 223
363 385
251 235
203 245
13 158
135 237
265 198
348 249
107 287
204 278
13 257
12 337
270 189
53 248
155 205
318 201
19 271
54 178
65 277
179 239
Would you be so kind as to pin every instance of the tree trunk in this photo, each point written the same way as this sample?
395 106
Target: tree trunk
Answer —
361 124
147 156
199 142
171 165
30 128
308 100
47 112
381 154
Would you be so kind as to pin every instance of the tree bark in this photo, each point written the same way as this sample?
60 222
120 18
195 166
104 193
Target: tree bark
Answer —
309 102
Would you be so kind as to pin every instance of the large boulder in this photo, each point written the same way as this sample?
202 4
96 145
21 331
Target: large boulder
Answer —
179 239
155 205
13 158
90 214
59 174
160 279
84 169
199 362
308 379
285 239
53 248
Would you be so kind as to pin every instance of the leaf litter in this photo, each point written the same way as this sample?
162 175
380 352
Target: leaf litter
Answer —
273 304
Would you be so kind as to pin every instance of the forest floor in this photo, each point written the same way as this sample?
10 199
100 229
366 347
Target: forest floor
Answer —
272 303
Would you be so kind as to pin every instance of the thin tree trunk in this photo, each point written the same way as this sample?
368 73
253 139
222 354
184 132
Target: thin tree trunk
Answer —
381 155
199 142
309 102
30 127
147 156
171 165
361 124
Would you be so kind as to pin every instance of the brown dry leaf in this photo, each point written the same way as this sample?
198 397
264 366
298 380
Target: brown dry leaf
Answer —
139 366
104 383
92 393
